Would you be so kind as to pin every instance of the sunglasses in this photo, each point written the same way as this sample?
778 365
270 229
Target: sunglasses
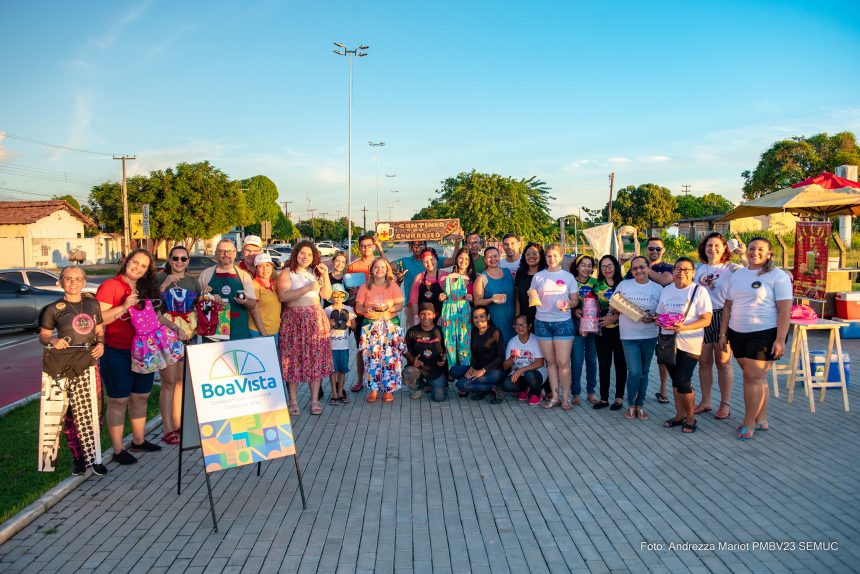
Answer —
183 259
657 249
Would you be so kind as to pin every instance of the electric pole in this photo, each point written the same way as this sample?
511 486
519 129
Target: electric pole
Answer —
685 189
611 185
287 209
313 231
364 220
126 233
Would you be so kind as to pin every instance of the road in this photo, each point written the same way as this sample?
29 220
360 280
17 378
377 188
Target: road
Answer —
20 366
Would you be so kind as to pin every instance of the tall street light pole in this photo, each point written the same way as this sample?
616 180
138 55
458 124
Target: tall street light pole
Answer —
377 145
359 53
390 196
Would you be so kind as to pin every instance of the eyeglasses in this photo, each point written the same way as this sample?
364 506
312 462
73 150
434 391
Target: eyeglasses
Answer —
608 266
656 249
684 269
73 279
183 259
226 251
520 325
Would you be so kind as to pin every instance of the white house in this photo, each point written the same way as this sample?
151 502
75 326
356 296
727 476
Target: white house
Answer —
41 234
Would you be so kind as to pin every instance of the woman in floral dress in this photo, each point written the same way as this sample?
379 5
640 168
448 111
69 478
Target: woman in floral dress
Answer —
457 309
379 301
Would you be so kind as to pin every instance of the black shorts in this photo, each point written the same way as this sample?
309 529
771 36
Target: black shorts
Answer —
755 345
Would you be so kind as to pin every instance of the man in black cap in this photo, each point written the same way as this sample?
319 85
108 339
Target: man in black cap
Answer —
425 356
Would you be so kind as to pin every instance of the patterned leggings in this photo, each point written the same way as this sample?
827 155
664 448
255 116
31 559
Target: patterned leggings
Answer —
71 405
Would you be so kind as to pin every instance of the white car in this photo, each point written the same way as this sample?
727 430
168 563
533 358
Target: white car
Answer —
279 258
326 248
41 278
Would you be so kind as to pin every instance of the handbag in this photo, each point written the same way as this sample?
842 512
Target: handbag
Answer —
667 345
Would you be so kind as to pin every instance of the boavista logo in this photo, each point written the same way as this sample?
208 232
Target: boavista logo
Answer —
234 373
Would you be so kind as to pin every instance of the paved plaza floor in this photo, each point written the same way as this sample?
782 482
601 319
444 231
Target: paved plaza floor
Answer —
466 486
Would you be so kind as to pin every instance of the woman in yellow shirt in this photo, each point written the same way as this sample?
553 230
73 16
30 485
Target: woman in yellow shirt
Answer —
268 303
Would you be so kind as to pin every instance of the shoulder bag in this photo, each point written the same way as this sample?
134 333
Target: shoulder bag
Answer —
667 345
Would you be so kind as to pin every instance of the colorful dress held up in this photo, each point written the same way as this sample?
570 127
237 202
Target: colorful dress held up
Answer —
383 345
154 346
455 321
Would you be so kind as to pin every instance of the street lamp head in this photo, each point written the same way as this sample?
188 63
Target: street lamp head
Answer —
339 53
361 54
364 47
339 45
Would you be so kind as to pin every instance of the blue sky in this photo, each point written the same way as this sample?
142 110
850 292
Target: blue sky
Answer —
661 92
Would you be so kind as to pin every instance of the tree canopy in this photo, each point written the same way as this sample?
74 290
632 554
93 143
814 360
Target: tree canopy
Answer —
693 206
642 206
188 202
792 160
492 205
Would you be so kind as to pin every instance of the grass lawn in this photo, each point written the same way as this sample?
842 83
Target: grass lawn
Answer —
22 484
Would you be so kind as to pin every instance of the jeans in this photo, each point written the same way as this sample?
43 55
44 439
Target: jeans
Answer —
414 381
638 354
584 350
485 383
530 381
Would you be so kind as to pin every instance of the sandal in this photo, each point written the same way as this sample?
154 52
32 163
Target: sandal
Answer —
699 410
592 398
566 406
630 413
295 410
640 412
316 409
744 434
763 427
334 401
548 404
345 399
356 388
686 428
171 438
576 401
728 411
672 423
661 399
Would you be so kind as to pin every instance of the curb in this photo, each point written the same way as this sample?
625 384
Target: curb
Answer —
19 403
17 523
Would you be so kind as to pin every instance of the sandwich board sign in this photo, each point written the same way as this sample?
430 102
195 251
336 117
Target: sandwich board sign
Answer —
235 407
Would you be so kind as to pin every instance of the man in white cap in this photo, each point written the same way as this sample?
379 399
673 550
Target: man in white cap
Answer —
251 247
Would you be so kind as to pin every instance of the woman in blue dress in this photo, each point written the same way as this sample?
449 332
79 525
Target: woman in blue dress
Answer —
494 289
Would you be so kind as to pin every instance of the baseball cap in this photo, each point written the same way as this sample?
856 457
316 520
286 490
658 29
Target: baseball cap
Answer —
262 258
252 240
426 307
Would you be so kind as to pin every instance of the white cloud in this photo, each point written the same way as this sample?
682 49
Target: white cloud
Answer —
655 159
619 159
581 164
80 132
116 27
4 153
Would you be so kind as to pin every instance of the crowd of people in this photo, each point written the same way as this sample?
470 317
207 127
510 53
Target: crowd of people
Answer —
491 323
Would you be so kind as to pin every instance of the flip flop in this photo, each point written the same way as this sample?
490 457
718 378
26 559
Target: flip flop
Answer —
699 411
728 412
356 388
742 432
672 423
759 427
661 399
687 429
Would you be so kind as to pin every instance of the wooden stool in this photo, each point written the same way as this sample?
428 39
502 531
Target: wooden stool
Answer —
800 352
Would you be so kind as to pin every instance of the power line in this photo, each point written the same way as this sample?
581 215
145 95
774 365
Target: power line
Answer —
27 191
40 174
65 147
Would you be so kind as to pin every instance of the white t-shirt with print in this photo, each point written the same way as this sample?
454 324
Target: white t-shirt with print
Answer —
715 279
552 287
754 298
674 300
512 267
646 296
526 353
339 337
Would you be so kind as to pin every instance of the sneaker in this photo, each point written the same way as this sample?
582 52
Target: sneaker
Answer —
600 405
78 468
478 396
498 398
99 469
145 446
125 457
523 396
534 400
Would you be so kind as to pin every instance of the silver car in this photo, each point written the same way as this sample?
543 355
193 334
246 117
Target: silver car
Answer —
21 305
41 279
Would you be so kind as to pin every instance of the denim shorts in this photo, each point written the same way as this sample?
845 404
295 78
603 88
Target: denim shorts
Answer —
554 330
118 378
340 357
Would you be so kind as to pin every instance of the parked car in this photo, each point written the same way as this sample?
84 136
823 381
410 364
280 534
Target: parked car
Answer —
21 305
326 248
198 263
41 279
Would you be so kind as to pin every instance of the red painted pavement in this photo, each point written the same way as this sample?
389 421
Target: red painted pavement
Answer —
20 371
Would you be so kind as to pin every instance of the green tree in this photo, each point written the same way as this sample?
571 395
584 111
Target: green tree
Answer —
493 205
70 200
693 206
792 160
284 229
642 206
261 198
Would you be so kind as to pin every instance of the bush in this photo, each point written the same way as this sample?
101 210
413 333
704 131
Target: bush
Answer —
677 246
